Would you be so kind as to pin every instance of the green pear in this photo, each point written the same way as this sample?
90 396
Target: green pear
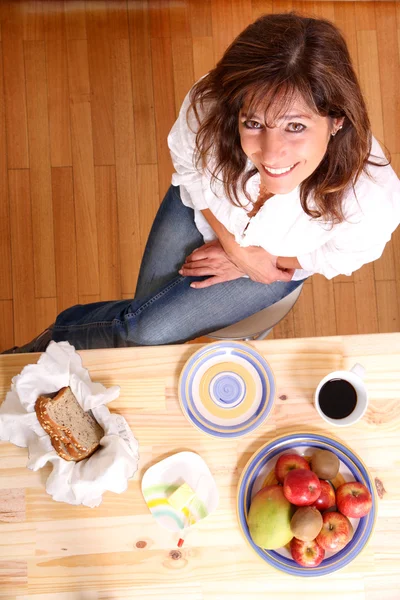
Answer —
269 518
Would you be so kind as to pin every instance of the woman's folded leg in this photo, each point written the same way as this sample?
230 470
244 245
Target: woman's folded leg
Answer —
175 313
165 310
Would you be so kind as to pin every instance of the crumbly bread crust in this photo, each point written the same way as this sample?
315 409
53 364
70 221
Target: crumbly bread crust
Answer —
64 438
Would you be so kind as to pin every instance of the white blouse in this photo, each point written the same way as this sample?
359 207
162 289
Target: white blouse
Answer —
281 226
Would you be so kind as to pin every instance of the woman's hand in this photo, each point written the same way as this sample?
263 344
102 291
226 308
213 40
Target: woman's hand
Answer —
258 264
210 259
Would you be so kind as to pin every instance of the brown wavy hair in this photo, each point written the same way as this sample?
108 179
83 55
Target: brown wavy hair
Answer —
282 56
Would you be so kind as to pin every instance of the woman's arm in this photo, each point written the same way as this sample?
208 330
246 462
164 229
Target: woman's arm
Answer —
288 262
231 261
182 145
226 238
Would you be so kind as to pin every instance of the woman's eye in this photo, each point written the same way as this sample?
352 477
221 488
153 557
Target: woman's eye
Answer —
249 124
296 127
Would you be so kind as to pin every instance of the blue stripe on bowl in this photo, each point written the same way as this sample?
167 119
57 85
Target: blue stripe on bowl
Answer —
359 472
226 349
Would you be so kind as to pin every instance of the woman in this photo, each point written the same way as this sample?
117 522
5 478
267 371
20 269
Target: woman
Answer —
277 177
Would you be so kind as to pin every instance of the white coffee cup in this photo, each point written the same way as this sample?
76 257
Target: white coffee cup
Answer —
355 378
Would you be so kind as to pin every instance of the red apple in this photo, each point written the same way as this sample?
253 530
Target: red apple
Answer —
353 499
307 554
336 531
326 499
301 487
288 462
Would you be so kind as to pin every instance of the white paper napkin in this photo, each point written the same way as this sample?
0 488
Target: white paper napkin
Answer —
109 468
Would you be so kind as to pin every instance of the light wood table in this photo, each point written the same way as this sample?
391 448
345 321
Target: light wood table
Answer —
54 551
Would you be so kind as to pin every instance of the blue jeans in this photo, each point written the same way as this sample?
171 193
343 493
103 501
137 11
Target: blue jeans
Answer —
165 309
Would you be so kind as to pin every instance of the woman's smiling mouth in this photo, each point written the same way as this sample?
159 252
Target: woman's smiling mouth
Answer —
279 172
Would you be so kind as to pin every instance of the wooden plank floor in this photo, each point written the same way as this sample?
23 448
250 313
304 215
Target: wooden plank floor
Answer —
88 93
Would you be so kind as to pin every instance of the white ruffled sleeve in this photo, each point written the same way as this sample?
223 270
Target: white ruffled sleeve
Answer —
182 143
360 239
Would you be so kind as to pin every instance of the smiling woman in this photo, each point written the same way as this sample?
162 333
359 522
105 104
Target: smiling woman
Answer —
277 176
280 128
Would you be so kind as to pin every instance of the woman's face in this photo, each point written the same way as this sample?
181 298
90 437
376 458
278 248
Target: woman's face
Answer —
286 154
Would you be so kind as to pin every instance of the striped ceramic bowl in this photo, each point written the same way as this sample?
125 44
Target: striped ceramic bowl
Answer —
259 472
226 389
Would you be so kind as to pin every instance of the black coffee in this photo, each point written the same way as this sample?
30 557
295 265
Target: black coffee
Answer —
337 398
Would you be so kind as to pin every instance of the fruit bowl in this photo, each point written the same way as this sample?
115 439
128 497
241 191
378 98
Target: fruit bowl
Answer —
259 472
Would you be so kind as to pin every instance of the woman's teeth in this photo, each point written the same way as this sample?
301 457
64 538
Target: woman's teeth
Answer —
278 171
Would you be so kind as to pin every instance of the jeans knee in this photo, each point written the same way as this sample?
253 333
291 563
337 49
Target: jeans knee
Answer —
150 332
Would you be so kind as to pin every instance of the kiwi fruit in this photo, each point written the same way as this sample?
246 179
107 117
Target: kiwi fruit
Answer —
325 464
306 523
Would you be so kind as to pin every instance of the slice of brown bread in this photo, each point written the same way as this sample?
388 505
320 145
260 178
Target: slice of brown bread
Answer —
64 418
59 439
61 442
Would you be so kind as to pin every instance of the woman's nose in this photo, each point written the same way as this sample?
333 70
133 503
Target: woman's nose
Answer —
272 147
